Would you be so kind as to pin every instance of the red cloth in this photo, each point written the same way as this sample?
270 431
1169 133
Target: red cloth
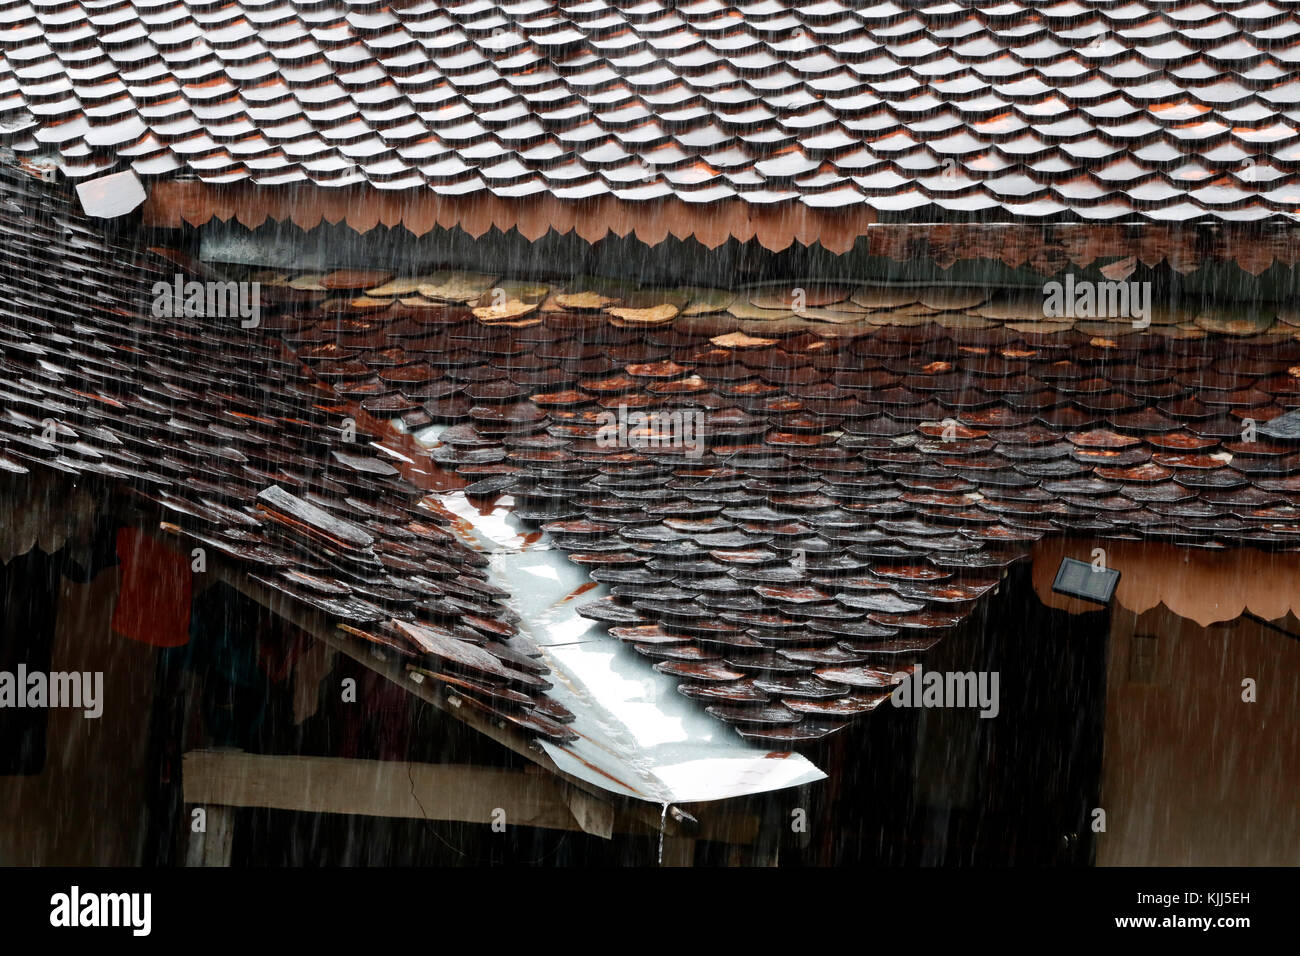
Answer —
153 605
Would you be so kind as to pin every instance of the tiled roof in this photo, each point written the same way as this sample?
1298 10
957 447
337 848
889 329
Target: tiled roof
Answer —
869 466
869 463
227 440
1143 110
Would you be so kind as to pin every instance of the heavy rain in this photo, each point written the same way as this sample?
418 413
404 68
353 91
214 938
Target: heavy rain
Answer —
650 435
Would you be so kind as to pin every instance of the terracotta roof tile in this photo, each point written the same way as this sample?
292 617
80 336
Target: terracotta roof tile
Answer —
225 438
1096 111
832 524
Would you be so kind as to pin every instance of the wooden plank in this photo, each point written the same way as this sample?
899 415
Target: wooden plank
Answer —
723 822
593 816
317 625
376 788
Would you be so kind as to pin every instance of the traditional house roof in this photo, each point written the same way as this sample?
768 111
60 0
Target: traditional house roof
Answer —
826 480
844 473
804 122
224 438
849 468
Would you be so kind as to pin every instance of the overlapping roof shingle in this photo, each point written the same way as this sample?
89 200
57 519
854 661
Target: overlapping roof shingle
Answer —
865 462
873 457
229 441
1100 111
868 465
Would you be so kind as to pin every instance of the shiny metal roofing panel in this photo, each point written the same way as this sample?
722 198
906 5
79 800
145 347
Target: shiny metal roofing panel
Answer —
636 735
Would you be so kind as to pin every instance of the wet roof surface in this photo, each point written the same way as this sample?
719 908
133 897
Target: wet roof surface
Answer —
847 469
223 435
818 496
1158 111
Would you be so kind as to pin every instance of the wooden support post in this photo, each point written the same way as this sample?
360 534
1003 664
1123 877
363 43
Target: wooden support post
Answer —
678 851
212 847
766 848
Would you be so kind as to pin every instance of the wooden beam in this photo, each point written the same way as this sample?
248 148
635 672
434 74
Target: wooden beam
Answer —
722 821
320 627
381 788
593 816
